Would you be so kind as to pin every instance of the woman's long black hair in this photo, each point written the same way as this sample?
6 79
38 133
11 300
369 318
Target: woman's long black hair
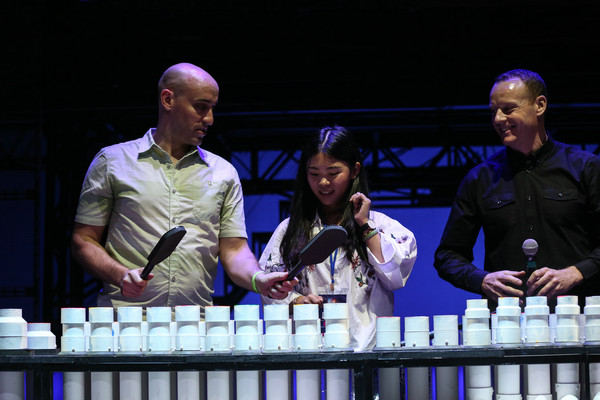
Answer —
338 143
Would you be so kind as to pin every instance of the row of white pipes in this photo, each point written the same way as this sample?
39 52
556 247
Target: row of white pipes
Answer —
158 333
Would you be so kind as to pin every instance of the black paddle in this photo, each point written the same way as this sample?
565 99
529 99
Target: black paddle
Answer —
163 249
319 248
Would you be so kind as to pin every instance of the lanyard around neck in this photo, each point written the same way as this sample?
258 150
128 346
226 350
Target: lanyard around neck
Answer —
332 259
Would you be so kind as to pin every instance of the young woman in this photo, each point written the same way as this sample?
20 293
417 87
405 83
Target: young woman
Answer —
378 255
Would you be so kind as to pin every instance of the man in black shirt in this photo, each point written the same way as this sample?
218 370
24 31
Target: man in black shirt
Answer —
534 188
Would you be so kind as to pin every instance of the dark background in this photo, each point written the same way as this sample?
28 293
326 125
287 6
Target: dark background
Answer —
282 55
78 75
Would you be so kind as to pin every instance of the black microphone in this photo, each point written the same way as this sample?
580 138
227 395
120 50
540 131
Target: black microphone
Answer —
530 248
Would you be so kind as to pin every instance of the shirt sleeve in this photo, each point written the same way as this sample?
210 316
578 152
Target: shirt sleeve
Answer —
96 198
233 220
454 255
399 249
590 266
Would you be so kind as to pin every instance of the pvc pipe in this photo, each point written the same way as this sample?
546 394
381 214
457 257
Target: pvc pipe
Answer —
218 385
507 333
73 385
277 338
592 336
188 385
445 334
307 337
101 385
188 338
537 332
130 387
278 385
387 336
308 384
336 338
159 385
219 329
568 333
337 383
102 339
248 385
477 332
389 383
416 334
248 332
12 385
130 341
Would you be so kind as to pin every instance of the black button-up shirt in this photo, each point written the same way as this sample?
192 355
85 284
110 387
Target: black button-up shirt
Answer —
552 196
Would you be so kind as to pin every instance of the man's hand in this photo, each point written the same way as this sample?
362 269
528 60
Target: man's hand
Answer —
553 282
274 285
502 284
132 284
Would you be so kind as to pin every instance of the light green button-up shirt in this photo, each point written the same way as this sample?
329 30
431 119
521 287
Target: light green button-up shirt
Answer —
135 190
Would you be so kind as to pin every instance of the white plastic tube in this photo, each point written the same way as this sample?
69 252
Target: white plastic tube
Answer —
445 334
277 338
218 385
507 333
12 385
130 387
188 385
102 339
130 341
592 336
101 385
248 385
308 384
416 334
568 333
336 338
477 332
307 337
188 337
537 332
387 335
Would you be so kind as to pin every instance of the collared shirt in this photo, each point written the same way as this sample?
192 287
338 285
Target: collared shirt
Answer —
552 196
368 285
135 190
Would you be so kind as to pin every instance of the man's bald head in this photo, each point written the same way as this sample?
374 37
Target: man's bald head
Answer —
179 77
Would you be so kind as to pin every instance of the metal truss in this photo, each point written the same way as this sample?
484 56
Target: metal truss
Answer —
264 147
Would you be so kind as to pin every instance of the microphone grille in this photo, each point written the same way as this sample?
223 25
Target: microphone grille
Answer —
530 247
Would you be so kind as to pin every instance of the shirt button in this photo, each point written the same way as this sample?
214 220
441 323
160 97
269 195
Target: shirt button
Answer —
560 195
529 197
173 279
530 227
173 220
174 191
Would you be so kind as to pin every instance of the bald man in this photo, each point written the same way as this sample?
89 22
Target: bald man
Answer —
138 190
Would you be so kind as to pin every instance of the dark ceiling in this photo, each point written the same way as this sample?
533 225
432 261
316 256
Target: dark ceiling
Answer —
289 55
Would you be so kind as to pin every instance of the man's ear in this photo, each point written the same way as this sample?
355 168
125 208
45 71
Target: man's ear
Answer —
542 104
166 99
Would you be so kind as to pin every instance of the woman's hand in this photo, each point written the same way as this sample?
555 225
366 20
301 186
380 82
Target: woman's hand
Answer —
310 299
361 205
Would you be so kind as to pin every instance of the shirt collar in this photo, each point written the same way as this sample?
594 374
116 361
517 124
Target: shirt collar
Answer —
535 158
148 144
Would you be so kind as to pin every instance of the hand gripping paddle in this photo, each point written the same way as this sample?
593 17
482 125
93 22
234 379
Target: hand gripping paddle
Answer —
163 249
319 248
